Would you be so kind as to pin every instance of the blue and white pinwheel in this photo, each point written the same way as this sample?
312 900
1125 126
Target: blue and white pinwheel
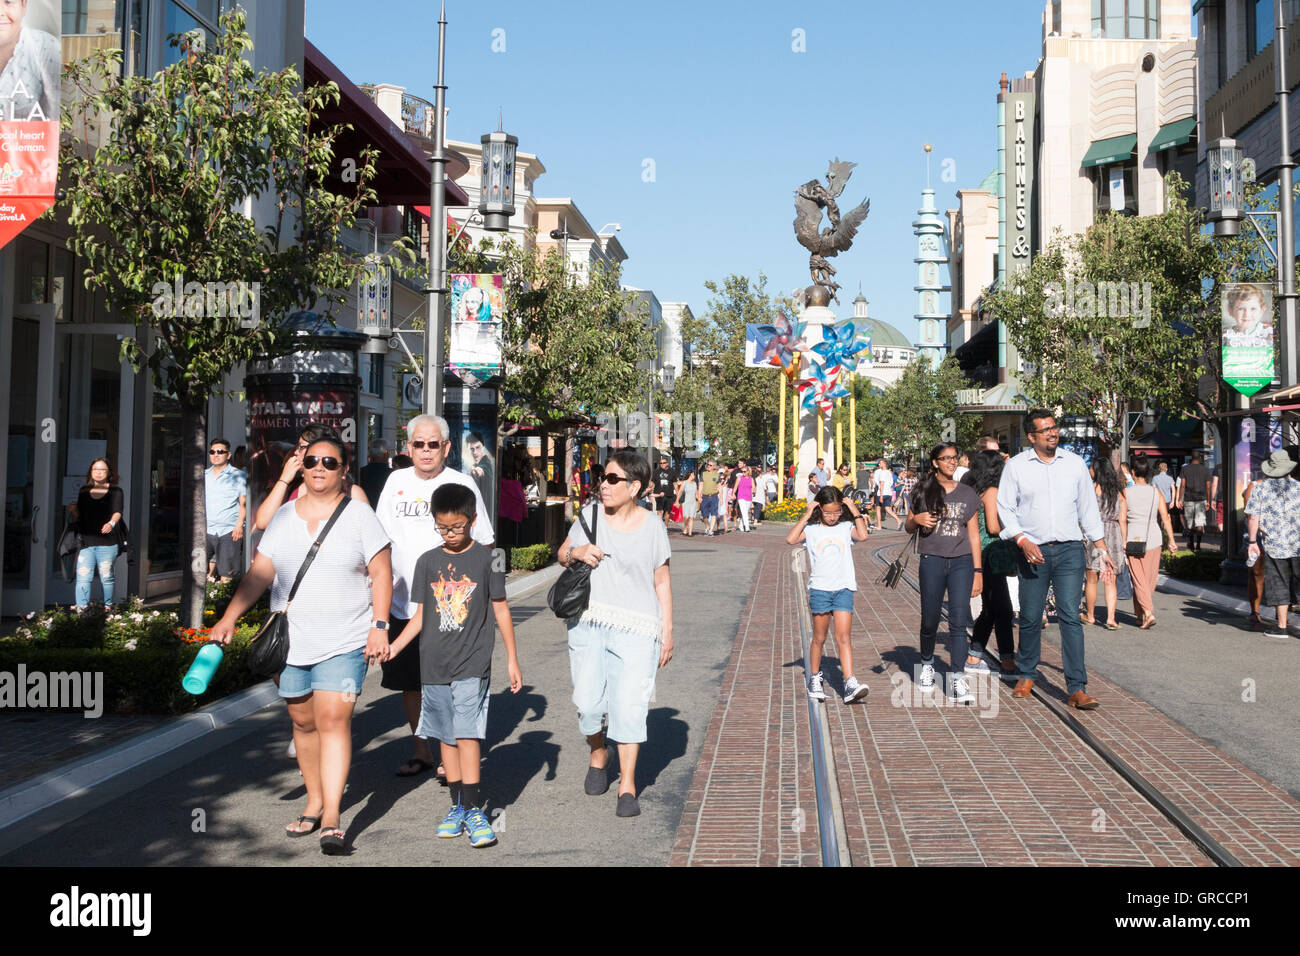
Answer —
838 346
780 342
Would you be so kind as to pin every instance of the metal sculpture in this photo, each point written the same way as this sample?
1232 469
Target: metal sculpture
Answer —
810 200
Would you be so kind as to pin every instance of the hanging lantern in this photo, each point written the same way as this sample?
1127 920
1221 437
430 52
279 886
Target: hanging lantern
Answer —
496 199
1223 161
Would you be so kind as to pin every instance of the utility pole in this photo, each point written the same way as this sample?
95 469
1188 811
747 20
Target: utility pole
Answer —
433 357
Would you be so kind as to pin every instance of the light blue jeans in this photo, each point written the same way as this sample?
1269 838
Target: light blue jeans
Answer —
613 674
88 559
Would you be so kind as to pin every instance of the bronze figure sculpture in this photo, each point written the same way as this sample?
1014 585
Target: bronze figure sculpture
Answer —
809 201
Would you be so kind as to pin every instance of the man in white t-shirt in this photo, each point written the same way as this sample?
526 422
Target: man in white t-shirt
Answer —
404 512
882 481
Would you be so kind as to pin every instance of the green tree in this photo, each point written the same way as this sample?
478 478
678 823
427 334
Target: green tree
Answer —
738 404
915 413
1089 357
571 345
157 172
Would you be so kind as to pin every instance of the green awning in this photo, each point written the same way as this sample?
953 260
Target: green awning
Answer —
1196 7
1107 151
1173 134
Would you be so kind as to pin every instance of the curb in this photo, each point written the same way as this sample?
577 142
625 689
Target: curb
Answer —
75 781
1204 593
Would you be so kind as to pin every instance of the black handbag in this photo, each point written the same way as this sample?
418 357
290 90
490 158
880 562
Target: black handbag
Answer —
894 573
571 592
268 652
1136 549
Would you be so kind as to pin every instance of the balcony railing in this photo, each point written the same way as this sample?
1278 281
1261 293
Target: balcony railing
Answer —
417 113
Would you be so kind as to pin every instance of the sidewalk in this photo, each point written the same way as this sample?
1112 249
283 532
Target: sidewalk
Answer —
922 782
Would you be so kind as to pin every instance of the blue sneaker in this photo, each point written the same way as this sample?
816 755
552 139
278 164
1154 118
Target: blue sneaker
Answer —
479 830
453 824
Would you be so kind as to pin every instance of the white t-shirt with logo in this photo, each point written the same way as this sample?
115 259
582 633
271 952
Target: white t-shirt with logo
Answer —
404 512
829 557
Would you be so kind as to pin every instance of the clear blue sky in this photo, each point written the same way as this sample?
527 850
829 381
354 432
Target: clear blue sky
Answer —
733 118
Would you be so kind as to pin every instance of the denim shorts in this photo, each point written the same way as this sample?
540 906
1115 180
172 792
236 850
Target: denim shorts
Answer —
709 506
455 711
613 678
344 673
823 602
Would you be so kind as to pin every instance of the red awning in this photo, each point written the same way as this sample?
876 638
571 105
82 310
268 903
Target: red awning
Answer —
404 177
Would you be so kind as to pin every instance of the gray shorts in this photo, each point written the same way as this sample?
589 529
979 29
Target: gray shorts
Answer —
1194 513
227 552
455 711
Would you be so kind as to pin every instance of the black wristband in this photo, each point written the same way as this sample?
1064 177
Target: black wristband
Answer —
979 570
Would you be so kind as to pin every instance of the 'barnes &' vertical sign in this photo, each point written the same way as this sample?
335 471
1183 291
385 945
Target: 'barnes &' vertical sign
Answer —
1020 174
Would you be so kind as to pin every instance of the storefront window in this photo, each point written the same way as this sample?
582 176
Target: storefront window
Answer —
90 25
20 485
165 486
1104 195
32 271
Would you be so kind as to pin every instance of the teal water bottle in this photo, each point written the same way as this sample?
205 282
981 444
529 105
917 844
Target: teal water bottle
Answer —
201 671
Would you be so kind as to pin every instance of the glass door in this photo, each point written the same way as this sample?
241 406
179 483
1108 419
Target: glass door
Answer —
29 520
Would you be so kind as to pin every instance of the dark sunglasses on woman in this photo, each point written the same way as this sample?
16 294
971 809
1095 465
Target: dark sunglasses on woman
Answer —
611 479
329 463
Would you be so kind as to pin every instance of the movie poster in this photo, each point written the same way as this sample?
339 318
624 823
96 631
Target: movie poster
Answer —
471 415
29 112
477 311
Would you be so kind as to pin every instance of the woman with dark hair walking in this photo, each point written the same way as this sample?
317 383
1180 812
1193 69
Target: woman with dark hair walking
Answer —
97 512
947 515
337 624
288 486
996 614
1112 503
1146 514
619 643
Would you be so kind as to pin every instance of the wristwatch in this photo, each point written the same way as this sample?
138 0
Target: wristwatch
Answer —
379 625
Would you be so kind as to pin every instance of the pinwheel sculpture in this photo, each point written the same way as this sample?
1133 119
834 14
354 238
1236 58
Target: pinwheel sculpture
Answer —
781 342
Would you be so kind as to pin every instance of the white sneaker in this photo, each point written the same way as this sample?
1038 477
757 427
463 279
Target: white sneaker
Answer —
961 691
854 691
815 690
925 680
980 667
293 751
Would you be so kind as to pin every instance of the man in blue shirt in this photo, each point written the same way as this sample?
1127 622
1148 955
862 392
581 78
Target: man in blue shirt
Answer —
225 502
1044 498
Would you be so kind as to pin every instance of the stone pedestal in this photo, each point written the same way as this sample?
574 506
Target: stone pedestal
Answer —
816 316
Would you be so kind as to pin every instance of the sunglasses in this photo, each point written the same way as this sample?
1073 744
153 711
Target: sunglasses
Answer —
218 451
328 462
421 445
611 479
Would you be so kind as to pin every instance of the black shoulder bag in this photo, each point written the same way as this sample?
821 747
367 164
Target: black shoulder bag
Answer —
894 574
268 652
571 592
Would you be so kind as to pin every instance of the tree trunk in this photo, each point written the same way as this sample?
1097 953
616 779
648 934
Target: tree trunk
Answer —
194 521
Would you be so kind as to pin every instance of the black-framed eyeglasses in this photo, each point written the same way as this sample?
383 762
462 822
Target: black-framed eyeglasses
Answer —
610 478
451 529
946 458
328 462
421 445
1044 431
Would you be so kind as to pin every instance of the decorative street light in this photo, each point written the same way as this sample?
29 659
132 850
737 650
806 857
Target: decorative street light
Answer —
1223 159
496 199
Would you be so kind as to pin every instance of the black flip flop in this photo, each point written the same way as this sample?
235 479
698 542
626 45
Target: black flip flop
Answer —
331 843
315 825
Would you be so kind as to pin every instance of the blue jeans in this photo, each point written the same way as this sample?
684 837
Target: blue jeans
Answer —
957 576
89 559
1063 566
996 615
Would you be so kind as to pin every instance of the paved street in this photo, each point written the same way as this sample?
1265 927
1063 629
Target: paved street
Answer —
533 769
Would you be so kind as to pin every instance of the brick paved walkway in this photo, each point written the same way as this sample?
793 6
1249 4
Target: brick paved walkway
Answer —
923 782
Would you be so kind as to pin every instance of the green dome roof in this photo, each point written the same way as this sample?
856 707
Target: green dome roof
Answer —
884 335
990 183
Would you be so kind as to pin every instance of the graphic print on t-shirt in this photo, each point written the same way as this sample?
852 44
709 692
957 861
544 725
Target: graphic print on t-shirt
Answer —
829 548
452 597
950 525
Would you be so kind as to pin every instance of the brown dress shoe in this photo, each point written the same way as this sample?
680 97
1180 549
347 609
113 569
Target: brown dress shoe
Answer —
1081 701
1024 688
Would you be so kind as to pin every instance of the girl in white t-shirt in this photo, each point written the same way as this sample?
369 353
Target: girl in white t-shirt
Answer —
832 582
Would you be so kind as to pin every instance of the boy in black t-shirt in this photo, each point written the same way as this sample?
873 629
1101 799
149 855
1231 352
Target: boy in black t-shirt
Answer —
458 579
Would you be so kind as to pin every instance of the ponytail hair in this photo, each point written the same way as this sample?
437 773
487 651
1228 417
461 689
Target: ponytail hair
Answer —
930 493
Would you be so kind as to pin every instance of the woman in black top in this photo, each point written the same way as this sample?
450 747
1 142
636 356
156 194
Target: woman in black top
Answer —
97 513
946 513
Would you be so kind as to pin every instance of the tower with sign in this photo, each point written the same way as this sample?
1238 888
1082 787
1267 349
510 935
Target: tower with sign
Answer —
930 259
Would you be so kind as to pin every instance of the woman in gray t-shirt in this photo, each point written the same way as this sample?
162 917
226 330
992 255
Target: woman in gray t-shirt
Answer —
618 644
946 514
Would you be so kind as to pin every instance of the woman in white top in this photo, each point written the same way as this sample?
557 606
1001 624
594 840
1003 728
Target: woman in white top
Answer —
337 624
1146 515
619 643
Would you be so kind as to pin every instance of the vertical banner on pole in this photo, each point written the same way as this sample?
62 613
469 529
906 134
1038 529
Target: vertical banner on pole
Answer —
780 442
29 114
471 415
